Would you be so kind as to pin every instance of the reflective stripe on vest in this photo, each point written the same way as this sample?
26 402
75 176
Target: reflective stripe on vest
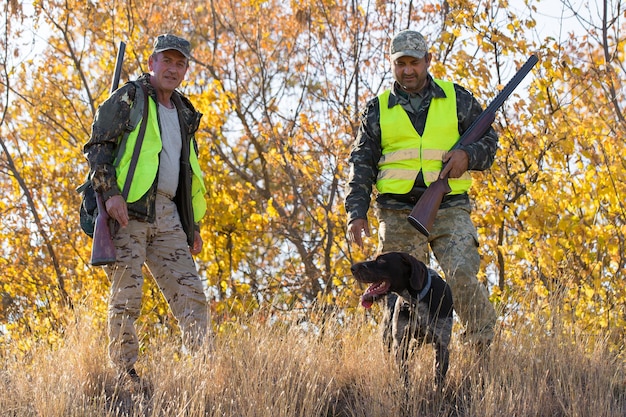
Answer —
148 165
405 152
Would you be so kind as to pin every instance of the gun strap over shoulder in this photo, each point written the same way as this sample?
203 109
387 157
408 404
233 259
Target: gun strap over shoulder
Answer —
140 135
136 115
138 112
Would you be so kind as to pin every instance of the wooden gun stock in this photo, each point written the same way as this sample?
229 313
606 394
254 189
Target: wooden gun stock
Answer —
423 215
102 247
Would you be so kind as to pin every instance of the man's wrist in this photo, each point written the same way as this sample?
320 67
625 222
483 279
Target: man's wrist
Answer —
355 218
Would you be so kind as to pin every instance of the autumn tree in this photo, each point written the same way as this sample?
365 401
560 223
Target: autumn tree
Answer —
281 86
558 223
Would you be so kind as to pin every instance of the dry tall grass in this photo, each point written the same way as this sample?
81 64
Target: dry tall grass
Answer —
335 369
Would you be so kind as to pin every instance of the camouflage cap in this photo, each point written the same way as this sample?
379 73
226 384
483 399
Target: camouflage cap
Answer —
168 41
408 42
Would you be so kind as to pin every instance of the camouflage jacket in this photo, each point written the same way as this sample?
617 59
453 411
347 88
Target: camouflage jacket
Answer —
112 120
367 150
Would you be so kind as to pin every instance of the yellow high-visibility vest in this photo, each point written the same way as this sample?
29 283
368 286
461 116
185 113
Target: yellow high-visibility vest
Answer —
148 164
405 153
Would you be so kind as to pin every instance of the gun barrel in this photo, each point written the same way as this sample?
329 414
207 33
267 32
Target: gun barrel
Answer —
423 215
119 60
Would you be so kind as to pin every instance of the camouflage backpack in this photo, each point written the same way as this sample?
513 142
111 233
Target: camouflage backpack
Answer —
88 205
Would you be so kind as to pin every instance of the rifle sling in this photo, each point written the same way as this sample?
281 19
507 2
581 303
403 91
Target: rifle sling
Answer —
138 143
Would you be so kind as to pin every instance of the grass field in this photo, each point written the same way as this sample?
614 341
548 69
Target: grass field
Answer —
332 368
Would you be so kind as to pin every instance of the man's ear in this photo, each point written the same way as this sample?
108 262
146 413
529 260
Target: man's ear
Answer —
419 272
150 62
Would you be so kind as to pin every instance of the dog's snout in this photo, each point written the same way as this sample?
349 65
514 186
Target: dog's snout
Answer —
358 266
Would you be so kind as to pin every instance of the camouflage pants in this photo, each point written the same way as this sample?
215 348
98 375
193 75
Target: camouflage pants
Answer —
162 246
454 242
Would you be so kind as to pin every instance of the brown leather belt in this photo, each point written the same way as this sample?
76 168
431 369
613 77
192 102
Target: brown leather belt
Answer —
166 195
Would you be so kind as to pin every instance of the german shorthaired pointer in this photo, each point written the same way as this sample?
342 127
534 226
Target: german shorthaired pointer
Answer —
423 310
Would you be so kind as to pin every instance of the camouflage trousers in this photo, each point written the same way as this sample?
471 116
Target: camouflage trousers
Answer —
162 246
454 242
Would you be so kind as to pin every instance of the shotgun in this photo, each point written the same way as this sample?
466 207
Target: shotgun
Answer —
423 215
102 247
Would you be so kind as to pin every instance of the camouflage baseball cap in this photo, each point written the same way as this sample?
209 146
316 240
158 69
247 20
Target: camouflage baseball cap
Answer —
168 41
408 42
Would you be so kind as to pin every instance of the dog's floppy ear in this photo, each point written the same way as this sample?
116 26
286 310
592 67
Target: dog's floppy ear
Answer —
419 273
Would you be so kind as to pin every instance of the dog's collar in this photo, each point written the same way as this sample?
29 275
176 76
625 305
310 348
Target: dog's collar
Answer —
422 294
429 281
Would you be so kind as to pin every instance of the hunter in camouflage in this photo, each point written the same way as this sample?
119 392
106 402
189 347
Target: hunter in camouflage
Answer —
158 214
453 240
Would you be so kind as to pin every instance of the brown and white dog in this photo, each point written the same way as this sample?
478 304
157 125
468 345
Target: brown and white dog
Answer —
423 309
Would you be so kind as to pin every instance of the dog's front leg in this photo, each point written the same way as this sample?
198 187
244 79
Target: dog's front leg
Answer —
442 361
388 320
402 358
402 336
